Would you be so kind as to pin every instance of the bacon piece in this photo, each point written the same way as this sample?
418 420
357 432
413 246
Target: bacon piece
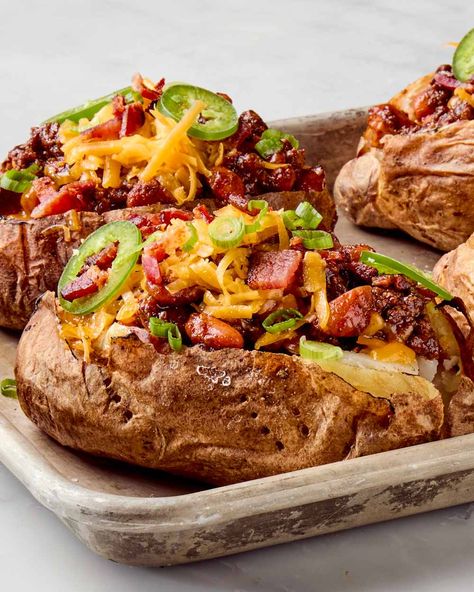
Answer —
147 224
166 216
103 259
73 196
86 284
351 312
228 187
133 118
164 298
202 212
152 94
273 269
145 194
118 106
212 332
109 130
151 259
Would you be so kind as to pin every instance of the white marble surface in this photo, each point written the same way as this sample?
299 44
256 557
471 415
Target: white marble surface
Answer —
282 58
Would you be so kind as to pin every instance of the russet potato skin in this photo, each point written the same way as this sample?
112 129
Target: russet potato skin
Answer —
32 257
221 416
421 183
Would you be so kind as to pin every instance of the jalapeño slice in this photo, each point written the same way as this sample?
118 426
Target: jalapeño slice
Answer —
218 120
90 108
463 59
385 264
129 238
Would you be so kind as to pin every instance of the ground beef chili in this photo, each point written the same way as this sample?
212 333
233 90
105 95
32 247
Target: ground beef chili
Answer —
355 293
242 174
435 106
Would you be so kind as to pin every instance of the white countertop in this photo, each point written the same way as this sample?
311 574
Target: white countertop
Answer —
280 58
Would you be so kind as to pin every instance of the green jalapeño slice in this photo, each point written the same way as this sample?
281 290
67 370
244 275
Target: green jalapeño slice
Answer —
90 108
218 119
463 59
128 237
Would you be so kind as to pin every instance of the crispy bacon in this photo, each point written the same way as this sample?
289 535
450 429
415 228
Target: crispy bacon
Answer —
274 269
146 223
151 259
109 130
73 196
212 332
103 259
202 212
350 313
133 118
145 194
86 284
152 94
166 216
127 120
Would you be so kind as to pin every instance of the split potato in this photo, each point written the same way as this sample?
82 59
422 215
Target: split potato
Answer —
418 177
33 252
221 416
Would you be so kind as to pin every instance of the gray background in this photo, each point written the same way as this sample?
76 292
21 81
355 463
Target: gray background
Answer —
281 58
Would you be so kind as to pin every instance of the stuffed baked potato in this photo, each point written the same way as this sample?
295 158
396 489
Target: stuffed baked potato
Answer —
239 345
414 169
139 147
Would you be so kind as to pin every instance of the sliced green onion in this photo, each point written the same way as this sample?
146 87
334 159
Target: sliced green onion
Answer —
226 232
271 142
387 265
174 338
90 108
19 181
310 215
262 206
315 239
8 388
192 240
160 328
281 320
317 350
304 217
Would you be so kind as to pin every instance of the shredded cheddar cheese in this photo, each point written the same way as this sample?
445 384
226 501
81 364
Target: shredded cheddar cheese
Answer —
161 149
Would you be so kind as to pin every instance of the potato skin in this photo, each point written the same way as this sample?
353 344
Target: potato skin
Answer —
427 182
219 416
32 258
421 183
455 271
356 190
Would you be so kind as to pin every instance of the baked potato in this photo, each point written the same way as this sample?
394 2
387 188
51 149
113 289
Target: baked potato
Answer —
238 346
414 169
103 160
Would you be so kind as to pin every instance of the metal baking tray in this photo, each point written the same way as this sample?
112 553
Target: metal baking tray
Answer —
149 518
